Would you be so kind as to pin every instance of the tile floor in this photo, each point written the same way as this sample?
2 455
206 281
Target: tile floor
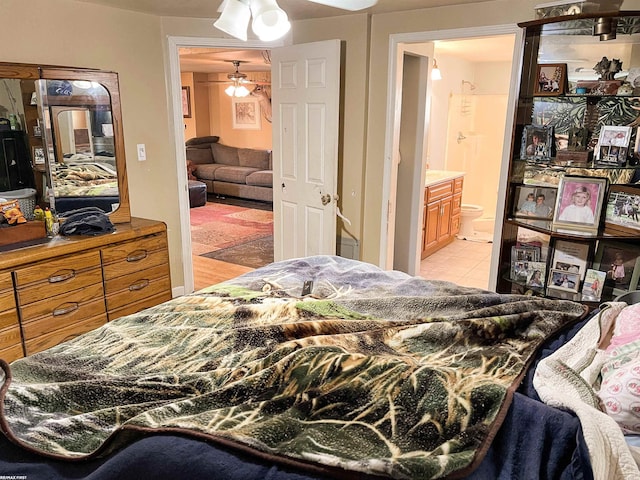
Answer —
463 262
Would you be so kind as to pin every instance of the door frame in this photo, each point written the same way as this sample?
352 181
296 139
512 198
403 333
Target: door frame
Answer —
174 92
394 97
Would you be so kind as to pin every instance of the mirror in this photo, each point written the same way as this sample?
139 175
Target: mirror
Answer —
70 139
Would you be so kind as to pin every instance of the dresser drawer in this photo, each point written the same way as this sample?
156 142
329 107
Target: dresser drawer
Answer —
8 318
62 270
62 334
7 300
5 281
138 306
457 185
66 308
10 337
139 290
134 256
66 282
11 353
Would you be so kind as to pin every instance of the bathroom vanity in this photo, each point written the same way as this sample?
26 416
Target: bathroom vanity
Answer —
442 203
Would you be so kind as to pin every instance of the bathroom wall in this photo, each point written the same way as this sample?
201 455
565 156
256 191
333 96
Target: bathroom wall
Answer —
467 125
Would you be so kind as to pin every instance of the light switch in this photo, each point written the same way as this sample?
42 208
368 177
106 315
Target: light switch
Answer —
142 152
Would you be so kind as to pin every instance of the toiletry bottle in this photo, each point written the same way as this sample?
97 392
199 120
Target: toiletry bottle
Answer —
48 222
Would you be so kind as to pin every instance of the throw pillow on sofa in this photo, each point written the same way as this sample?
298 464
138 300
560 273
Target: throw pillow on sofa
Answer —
250 157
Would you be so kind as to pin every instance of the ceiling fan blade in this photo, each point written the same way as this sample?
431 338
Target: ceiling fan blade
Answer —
347 4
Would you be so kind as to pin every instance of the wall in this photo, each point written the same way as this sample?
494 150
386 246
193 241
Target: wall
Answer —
186 80
65 32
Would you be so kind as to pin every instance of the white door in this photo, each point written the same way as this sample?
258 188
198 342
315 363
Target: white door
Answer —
305 96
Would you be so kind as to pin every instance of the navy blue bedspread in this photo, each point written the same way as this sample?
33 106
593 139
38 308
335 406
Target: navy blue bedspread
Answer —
535 442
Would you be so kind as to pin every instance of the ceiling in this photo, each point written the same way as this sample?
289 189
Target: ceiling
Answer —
296 9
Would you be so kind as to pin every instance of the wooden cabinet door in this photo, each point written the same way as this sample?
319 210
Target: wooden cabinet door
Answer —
432 221
444 225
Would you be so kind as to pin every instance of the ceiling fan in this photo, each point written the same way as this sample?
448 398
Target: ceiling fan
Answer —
270 22
238 80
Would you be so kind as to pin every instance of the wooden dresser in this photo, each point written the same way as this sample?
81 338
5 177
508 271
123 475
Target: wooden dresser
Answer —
52 292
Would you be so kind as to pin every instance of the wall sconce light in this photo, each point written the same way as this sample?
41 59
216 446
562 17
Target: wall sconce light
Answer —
435 71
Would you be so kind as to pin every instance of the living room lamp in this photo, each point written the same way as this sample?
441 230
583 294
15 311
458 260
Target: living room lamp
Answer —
270 22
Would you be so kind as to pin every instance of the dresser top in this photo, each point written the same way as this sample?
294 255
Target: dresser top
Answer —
60 245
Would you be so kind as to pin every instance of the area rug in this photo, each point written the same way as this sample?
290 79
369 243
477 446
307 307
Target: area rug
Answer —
255 254
220 226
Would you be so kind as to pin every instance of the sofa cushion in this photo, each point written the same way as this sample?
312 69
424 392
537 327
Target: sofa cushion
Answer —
224 154
250 157
233 174
201 142
263 178
207 172
199 156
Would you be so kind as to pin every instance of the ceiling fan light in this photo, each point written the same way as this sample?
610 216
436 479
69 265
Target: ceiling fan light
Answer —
234 19
230 90
270 22
241 91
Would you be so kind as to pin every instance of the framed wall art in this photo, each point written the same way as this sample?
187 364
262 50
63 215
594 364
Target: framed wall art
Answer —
186 102
579 203
246 113
622 210
552 78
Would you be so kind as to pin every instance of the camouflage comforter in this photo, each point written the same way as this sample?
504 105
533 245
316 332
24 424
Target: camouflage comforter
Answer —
372 373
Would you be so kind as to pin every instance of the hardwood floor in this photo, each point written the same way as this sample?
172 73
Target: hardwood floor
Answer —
207 271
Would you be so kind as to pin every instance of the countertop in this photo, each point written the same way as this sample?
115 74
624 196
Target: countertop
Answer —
436 176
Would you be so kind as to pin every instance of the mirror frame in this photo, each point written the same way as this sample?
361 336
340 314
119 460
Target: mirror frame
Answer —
25 71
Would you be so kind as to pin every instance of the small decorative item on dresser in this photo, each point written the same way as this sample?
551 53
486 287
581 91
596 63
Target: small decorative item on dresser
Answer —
537 143
622 211
552 79
579 204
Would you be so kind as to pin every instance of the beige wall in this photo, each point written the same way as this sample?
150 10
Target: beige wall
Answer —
65 32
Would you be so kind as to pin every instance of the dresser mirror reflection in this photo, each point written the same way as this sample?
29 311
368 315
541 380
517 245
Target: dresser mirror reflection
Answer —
65 139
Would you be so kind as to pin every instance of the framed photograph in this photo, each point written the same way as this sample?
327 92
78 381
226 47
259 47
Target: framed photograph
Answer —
579 203
535 279
186 102
593 285
621 264
537 143
568 265
552 78
38 156
534 202
246 113
613 146
622 211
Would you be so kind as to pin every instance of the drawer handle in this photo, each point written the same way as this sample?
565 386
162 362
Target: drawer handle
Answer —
62 276
66 308
137 256
139 286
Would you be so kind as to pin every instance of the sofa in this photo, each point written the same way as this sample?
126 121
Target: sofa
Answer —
230 171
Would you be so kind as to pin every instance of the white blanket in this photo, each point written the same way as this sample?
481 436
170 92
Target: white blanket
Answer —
570 378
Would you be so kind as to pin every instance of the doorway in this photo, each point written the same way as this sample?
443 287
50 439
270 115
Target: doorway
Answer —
461 96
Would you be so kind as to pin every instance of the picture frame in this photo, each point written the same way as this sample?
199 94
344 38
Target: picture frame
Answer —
579 203
540 207
38 156
186 102
612 148
246 113
621 263
568 265
537 143
622 210
552 79
593 285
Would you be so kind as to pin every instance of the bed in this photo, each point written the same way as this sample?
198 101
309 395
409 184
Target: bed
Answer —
311 368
